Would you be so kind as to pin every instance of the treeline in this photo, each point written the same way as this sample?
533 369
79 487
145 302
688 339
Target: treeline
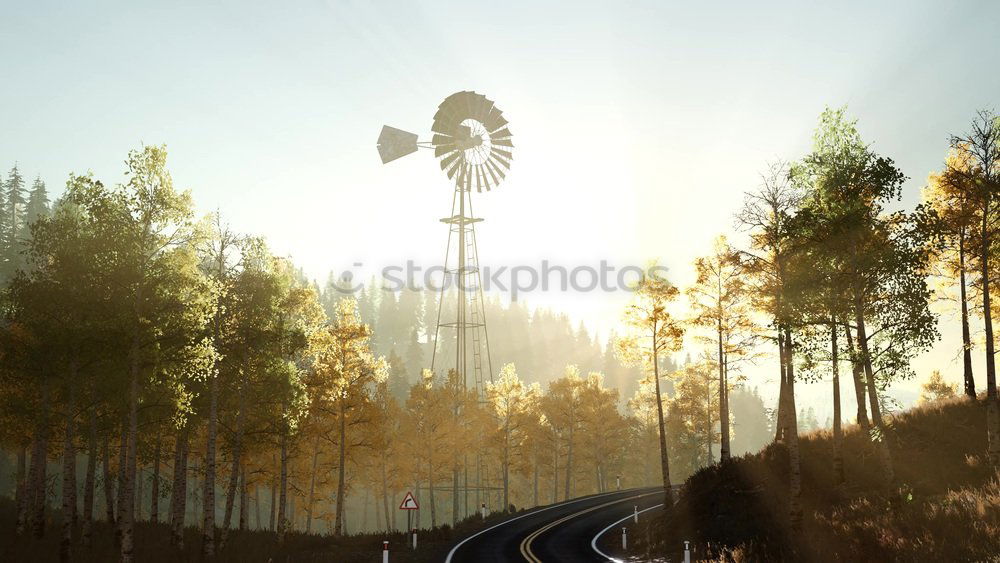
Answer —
833 275
159 366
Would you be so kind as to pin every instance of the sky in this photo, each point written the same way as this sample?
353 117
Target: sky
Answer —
638 126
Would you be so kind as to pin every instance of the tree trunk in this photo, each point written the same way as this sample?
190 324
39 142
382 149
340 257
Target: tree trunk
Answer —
208 495
535 480
992 400
312 486
792 438
256 506
37 481
283 487
723 402
780 418
127 518
569 449
968 378
20 492
120 480
859 384
274 492
88 483
69 474
234 472
880 438
178 492
838 433
109 491
243 499
506 467
154 498
555 467
338 527
668 492
430 491
385 499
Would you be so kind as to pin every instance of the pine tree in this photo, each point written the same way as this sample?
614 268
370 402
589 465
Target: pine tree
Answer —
37 206
13 212
398 380
414 359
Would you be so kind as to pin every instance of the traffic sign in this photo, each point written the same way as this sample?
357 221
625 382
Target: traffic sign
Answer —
409 503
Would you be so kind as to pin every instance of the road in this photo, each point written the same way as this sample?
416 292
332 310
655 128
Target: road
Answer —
559 532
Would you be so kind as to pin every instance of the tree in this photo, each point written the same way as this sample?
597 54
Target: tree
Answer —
720 303
37 205
511 401
936 388
654 332
348 367
14 214
980 168
951 196
768 215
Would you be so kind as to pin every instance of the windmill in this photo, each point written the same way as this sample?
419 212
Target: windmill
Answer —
473 146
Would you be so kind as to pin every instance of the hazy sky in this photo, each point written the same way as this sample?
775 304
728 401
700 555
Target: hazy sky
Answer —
637 125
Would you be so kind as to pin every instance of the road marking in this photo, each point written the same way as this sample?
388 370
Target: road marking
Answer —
593 542
526 542
532 513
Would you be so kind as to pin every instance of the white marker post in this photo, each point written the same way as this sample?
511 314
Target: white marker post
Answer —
414 538
687 552
618 482
624 538
482 511
635 515
385 551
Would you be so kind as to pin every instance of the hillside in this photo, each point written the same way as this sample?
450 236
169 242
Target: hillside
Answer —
943 505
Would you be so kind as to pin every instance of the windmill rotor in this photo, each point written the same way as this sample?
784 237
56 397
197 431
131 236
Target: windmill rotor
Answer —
470 139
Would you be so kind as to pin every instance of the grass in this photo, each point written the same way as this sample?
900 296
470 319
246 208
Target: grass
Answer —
152 544
944 504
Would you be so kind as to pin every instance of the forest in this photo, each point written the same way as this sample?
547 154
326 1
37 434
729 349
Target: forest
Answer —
157 366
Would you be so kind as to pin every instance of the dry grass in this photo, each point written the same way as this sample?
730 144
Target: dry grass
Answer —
943 505
152 544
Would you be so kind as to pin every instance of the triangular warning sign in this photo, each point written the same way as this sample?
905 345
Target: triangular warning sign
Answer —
409 503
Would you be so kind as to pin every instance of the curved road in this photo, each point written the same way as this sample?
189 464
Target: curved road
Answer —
559 532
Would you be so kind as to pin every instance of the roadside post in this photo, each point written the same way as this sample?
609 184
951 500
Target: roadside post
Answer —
687 552
385 551
618 482
635 515
409 504
482 510
624 538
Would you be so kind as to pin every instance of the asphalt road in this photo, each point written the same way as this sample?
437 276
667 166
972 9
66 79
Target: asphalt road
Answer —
560 532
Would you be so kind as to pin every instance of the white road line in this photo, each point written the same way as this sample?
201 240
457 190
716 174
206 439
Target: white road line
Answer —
533 512
593 542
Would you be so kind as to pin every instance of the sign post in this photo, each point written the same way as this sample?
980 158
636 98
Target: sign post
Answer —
409 504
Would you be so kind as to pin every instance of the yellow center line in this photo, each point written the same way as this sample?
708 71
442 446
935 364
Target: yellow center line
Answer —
526 542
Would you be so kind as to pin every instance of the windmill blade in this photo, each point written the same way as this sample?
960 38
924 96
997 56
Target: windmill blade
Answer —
495 120
503 153
450 159
501 160
459 120
489 168
395 143
501 134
